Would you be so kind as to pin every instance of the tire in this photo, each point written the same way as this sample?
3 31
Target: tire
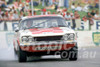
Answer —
22 57
15 52
64 55
73 54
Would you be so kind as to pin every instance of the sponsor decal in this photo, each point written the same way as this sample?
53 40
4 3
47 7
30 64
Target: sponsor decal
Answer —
96 38
9 39
45 47
98 25
53 47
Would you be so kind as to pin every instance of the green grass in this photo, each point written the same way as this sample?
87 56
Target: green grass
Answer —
39 6
82 13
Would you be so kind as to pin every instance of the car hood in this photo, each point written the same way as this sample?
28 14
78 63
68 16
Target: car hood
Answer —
46 32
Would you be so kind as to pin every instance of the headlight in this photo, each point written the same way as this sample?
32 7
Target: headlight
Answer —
27 39
30 39
24 39
68 37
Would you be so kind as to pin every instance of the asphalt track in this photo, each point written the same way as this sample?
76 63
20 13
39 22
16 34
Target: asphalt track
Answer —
88 57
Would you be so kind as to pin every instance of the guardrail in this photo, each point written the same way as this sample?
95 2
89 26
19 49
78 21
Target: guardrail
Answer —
85 26
10 25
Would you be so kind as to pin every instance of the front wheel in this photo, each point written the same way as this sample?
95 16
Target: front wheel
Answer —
22 57
64 54
73 54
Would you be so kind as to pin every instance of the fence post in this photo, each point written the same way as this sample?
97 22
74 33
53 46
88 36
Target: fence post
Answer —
5 26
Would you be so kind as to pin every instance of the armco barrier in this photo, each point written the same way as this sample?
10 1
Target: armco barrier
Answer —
11 25
86 26
8 25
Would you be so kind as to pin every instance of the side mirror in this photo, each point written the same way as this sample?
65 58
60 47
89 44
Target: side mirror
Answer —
17 29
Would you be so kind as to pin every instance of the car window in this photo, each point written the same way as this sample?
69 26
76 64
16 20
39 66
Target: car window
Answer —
43 22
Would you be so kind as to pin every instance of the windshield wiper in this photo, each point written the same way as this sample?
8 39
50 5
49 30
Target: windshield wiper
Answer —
61 26
34 27
52 26
57 26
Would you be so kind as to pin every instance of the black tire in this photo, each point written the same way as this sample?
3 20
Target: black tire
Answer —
15 52
64 54
73 54
22 57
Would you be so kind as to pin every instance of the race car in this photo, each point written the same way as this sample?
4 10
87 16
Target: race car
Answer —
45 35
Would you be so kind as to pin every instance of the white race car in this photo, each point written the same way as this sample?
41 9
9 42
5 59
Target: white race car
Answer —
45 35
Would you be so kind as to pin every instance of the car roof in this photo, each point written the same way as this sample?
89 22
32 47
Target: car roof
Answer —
27 17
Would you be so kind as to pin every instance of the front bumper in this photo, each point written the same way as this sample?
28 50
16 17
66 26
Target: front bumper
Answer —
47 46
47 43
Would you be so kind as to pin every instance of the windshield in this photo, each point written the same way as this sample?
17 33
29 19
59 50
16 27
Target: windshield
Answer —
43 22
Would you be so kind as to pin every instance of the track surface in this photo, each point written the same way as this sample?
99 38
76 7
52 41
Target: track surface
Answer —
88 57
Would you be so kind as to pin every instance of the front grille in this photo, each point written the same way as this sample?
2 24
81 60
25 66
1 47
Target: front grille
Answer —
48 38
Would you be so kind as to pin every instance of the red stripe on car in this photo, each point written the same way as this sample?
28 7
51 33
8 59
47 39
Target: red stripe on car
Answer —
40 31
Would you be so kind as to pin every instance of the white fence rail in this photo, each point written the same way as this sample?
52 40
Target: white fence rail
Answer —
11 25
8 25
